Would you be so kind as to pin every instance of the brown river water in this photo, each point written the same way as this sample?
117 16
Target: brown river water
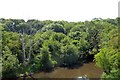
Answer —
88 69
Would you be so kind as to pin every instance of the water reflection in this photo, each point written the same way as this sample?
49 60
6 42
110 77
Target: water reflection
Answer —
89 69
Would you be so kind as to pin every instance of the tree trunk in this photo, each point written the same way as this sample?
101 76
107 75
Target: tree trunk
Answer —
23 48
29 55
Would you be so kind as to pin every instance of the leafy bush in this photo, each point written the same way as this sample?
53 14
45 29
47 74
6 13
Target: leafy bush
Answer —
10 63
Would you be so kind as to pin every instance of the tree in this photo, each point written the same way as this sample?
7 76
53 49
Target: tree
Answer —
36 24
47 44
55 27
46 61
10 63
108 59
70 55
68 26
58 36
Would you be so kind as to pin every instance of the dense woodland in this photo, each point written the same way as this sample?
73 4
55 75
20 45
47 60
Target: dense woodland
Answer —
33 46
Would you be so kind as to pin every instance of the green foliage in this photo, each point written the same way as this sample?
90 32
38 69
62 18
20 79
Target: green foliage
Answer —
70 55
108 60
58 36
46 35
68 26
113 75
46 61
80 28
60 43
67 40
36 63
10 63
53 46
55 27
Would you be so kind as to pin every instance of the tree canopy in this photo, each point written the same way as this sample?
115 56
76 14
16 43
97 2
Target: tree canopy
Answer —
43 45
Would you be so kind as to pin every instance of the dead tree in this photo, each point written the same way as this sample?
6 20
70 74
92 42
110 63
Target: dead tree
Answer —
26 58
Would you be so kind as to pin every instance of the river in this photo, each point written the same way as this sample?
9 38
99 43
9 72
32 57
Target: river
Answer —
89 69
